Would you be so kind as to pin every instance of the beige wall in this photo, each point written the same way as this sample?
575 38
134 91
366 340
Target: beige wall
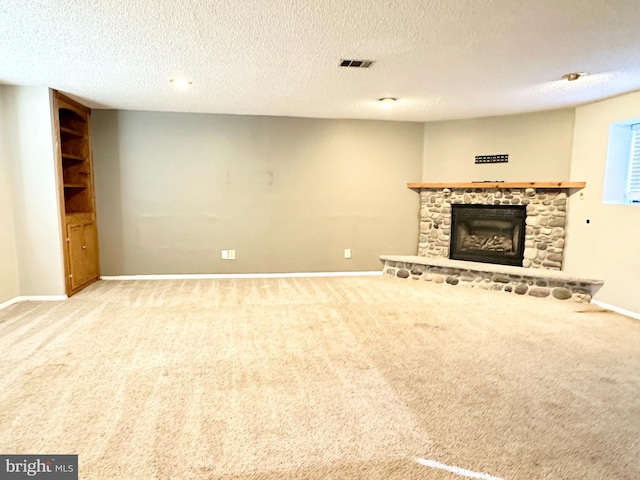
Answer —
28 140
288 194
539 147
9 283
607 247
291 194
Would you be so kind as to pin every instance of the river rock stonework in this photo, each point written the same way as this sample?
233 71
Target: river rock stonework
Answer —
535 283
545 223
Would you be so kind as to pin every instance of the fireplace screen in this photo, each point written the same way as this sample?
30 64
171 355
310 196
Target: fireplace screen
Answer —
488 233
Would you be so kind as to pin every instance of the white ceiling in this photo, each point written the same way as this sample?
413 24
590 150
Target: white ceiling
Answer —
442 58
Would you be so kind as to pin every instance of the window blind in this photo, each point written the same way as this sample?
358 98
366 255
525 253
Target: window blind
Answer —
633 179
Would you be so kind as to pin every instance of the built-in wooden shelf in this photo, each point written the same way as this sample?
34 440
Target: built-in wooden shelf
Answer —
69 156
71 121
78 217
498 185
71 131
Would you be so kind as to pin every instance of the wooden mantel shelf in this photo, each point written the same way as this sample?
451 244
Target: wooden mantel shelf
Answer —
498 185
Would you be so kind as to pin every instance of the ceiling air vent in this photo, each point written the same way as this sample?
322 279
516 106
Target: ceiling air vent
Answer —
356 63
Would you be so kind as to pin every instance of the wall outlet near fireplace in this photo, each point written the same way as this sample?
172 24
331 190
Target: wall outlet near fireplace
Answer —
347 253
232 254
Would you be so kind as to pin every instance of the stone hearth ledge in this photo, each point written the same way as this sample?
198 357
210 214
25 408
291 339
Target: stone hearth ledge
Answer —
535 282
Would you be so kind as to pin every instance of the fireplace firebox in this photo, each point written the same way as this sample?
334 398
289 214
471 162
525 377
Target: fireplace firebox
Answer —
488 233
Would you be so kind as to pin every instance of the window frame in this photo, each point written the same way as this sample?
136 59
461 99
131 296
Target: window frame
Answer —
621 184
632 190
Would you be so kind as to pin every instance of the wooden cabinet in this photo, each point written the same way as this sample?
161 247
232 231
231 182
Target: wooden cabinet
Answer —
77 199
82 246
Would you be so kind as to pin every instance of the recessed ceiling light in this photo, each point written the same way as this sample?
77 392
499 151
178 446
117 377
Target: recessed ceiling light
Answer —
573 76
181 82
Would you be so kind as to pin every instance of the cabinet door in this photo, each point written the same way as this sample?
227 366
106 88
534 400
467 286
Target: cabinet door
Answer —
76 255
90 246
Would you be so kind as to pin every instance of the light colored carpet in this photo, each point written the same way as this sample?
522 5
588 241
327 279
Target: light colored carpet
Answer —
320 378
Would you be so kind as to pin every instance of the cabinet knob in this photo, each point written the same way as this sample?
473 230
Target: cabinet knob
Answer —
84 246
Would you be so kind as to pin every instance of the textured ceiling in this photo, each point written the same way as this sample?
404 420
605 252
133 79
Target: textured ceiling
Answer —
442 58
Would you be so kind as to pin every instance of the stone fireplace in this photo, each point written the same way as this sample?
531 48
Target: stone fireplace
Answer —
544 222
488 233
540 208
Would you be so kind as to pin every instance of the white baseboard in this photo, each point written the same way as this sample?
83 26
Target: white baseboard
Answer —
9 302
33 298
207 276
619 310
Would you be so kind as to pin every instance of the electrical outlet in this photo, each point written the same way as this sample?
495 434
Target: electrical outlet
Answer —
347 253
232 254
225 254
